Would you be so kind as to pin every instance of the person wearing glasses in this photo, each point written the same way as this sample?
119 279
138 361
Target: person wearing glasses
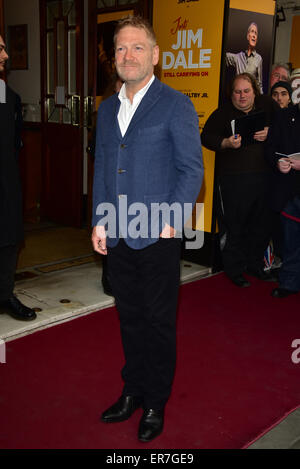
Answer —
280 72
242 173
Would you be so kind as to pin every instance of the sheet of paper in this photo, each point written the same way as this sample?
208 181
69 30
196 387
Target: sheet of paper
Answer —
2 92
233 127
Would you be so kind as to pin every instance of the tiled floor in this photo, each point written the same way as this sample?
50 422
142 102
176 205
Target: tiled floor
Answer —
81 291
66 294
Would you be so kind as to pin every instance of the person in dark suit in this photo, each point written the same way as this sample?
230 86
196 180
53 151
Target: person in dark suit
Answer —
284 139
11 225
148 153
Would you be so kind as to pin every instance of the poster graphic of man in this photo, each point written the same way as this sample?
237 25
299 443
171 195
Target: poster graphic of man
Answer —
249 60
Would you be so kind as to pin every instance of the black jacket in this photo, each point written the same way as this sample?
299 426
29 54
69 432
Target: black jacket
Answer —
283 137
11 218
246 159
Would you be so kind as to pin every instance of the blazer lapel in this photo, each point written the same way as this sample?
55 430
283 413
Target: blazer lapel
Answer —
115 123
145 105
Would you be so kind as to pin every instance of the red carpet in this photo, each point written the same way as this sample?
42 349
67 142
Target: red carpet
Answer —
234 378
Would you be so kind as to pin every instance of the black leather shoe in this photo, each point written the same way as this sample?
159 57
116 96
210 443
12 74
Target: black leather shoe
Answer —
122 409
240 281
17 310
151 424
282 292
262 275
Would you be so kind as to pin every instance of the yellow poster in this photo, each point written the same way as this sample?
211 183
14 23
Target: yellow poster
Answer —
266 6
189 34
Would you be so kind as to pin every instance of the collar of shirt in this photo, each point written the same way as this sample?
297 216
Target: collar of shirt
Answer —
127 109
253 53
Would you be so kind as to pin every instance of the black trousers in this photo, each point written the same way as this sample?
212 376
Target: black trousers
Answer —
8 262
145 284
244 221
289 275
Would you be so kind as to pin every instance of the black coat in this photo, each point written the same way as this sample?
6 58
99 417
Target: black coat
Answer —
283 137
246 159
11 218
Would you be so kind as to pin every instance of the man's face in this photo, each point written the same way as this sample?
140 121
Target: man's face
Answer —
3 55
278 74
282 96
243 95
252 36
135 56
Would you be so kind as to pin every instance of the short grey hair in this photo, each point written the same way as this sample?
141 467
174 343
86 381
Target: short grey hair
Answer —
136 22
282 65
249 27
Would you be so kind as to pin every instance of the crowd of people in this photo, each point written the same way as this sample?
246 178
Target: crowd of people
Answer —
258 180
148 151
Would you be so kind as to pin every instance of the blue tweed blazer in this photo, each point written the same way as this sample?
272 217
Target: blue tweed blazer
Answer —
159 160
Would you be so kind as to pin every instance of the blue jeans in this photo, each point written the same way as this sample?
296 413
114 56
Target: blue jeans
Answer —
289 276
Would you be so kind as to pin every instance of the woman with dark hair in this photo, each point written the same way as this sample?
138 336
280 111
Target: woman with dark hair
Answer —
242 175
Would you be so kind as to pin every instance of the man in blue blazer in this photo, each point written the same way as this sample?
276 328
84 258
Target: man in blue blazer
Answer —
148 174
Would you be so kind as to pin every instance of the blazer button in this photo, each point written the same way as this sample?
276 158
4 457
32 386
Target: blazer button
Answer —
123 146
120 171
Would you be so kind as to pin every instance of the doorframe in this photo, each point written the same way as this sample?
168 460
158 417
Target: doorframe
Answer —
79 56
2 18
80 87
2 31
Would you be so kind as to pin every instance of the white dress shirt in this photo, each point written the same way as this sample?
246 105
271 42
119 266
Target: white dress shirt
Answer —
127 109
